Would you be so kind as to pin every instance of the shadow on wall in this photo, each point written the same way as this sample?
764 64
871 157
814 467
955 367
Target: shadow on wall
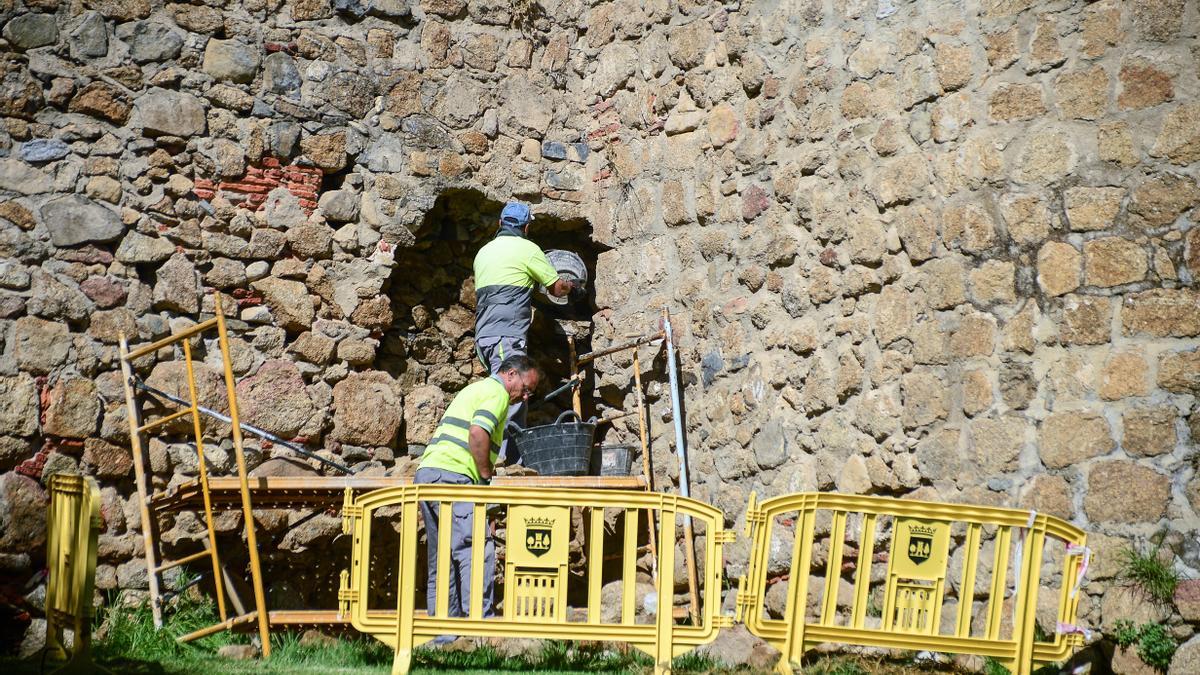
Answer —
431 339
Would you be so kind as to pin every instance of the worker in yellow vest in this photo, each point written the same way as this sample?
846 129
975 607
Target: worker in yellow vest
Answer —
463 451
507 270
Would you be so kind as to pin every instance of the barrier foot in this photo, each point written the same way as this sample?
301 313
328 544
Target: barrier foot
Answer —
403 662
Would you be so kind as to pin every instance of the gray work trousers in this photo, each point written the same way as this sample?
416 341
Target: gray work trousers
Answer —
460 548
491 352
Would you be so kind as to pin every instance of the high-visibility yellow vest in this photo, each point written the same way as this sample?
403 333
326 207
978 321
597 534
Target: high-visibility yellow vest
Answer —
506 270
481 404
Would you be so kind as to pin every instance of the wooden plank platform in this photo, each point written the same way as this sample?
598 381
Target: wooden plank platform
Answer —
282 492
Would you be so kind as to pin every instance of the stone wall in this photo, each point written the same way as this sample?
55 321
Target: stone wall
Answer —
943 250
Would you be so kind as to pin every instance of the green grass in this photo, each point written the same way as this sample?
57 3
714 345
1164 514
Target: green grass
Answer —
1148 572
127 642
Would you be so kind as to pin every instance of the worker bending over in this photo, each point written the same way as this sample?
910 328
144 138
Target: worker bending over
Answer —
507 269
463 451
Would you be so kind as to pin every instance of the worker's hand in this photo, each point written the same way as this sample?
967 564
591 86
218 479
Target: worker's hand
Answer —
561 288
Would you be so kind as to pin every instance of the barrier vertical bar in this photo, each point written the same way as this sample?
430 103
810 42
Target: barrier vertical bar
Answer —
260 603
833 568
999 581
1026 600
595 560
406 584
445 526
966 590
478 548
149 535
862 573
665 617
218 588
629 566
797 604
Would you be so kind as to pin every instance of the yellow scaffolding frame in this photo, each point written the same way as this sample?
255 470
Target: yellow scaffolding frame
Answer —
534 593
917 568
137 428
73 525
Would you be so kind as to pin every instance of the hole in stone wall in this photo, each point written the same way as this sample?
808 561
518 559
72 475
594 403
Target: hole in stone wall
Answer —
431 339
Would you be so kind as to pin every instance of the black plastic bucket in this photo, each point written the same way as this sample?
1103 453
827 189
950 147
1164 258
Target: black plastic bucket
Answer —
612 460
559 449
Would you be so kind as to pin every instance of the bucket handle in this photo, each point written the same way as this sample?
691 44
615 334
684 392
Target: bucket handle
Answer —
565 413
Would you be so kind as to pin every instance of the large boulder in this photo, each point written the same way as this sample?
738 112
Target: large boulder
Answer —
171 113
22 514
18 405
289 302
171 377
274 399
73 409
423 408
368 409
74 220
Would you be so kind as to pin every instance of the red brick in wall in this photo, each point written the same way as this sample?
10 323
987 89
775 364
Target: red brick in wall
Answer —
251 189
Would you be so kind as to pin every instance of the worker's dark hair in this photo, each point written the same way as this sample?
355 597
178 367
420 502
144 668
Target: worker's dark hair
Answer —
518 362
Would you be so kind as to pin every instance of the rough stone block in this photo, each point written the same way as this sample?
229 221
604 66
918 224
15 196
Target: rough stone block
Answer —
1124 492
1162 312
1179 372
1093 208
1124 374
1113 261
1068 438
1059 268
1149 431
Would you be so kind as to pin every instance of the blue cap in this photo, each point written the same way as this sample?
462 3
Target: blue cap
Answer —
515 214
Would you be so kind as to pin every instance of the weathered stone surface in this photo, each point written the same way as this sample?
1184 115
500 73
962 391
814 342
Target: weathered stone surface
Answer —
1162 312
996 443
1158 20
43 150
423 408
1124 374
18 405
1059 268
178 285
1160 199
1082 94
30 31
231 60
1179 138
1186 658
40 346
925 398
1112 261
1048 156
171 377
138 248
74 220
289 302
1093 208
1180 372
687 44
105 460
953 64
1124 492
151 40
19 177
73 409
1068 438
1143 85
1149 431
738 647
22 513
340 206
171 113
1087 320
368 409
1051 495
274 399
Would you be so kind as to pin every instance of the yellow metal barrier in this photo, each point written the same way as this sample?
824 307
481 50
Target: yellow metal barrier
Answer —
912 593
73 526
535 570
